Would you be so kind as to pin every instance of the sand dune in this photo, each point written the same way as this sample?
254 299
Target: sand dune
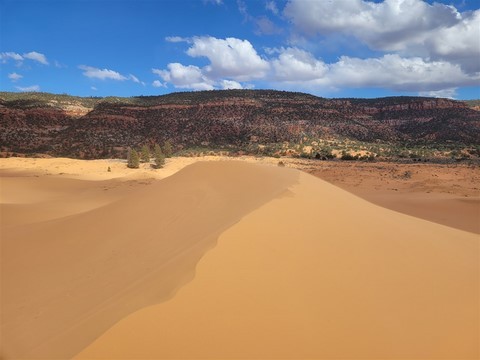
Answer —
454 211
317 274
447 194
28 198
302 269
66 280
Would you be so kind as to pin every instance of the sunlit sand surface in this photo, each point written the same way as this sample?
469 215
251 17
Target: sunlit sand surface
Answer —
317 274
224 260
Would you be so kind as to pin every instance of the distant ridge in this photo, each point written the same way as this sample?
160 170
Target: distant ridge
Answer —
90 127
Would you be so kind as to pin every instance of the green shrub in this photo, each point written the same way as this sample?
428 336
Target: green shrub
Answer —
348 156
159 157
145 154
167 149
133 160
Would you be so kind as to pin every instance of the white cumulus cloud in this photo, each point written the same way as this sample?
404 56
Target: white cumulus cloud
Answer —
384 25
459 43
158 83
14 76
445 93
33 55
408 27
102 74
135 79
4 56
107 74
233 61
187 77
230 84
296 65
391 71
176 39
229 58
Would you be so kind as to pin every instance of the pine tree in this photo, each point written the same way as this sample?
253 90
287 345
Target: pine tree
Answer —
159 157
167 149
145 154
133 161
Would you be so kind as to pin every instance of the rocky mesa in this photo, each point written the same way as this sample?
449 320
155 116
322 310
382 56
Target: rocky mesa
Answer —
62 125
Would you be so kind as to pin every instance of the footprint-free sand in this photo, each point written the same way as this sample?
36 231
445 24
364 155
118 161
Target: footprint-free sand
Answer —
224 259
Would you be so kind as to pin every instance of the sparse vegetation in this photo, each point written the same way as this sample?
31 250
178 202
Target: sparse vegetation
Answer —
159 157
167 149
145 154
241 122
133 160
407 174
348 156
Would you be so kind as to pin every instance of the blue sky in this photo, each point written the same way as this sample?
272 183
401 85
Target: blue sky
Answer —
331 48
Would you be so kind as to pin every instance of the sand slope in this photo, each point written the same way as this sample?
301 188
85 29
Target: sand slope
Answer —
66 279
462 213
302 268
317 274
447 194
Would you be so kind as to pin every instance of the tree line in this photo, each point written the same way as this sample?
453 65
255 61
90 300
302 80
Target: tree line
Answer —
144 155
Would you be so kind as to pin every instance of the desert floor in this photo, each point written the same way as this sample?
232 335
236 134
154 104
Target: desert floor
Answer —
445 194
238 259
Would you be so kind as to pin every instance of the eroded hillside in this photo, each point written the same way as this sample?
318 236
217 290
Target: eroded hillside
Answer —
104 127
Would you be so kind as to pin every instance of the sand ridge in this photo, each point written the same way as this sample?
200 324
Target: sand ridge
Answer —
66 280
301 266
447 194
320 274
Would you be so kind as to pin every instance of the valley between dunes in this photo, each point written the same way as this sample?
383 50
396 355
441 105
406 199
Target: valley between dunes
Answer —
222 260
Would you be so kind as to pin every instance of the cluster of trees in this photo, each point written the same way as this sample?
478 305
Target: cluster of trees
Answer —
134 157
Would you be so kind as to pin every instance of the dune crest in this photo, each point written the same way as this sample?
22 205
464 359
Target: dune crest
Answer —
66 280
315 275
